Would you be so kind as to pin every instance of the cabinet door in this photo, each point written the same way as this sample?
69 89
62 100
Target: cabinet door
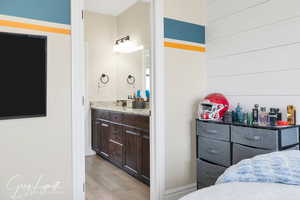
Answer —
145 157
96 136
116 152
105 129
132 150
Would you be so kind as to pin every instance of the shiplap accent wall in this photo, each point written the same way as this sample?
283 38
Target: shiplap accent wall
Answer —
253 51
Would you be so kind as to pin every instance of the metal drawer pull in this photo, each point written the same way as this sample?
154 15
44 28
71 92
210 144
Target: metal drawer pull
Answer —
104 125
132 133
212 131
212 151
255 138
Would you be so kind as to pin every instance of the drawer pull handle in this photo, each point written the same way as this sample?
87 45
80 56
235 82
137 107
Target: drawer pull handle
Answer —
212 151
104 125
255 138
212 131
132 133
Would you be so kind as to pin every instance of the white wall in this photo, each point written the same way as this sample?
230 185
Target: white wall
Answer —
184 82
253 51
41 147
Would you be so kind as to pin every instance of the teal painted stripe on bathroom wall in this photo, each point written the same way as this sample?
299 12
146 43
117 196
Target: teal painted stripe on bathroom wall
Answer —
58 11
180 30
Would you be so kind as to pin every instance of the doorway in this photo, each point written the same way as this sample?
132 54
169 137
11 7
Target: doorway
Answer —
156 104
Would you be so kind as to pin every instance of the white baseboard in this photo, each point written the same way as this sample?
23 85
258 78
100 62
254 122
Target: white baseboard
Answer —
177 193
90 152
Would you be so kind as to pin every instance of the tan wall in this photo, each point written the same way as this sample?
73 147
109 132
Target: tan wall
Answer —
100 35
41 147
185 84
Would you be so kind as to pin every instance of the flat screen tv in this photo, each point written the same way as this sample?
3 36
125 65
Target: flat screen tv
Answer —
23 77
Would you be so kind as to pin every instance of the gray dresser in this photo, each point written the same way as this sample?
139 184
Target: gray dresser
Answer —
221 144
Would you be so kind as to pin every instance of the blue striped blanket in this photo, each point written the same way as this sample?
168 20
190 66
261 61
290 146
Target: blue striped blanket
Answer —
279 167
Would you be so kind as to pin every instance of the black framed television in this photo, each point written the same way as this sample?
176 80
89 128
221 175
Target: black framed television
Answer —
23 76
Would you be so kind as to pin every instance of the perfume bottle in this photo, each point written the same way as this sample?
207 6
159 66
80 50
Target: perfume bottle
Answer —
291 114
263 117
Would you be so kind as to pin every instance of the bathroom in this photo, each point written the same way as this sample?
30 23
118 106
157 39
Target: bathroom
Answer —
118 60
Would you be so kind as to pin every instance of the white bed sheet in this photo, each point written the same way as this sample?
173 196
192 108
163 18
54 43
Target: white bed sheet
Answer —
246 191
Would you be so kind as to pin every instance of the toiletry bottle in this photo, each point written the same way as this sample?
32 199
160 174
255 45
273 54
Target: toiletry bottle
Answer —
273 116
255 114
279 114
291 115
239 113
263 117
250 119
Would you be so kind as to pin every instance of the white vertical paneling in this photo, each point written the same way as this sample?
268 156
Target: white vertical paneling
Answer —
253 51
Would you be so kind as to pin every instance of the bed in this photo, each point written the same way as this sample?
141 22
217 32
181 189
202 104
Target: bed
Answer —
265 177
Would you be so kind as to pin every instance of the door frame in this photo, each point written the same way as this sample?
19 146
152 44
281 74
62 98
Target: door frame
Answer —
157 122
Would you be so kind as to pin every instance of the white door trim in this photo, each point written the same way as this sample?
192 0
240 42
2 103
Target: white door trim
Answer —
78 93
157 129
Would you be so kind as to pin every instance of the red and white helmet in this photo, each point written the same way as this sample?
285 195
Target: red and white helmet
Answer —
213 107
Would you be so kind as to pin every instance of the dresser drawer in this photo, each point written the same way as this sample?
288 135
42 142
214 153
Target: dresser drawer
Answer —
261 138
214 151
240 152
207 173
116 133
213 130
289 137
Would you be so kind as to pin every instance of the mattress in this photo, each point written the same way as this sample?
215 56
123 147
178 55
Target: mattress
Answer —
246 191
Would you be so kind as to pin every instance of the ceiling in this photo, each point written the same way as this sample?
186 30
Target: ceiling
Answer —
110 7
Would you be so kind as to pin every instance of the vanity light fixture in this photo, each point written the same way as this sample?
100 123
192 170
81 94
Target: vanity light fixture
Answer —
125 45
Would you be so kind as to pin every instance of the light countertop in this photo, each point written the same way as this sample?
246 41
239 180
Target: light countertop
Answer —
111 106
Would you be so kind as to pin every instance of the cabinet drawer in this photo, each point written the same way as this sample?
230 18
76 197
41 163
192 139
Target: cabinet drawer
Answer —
101 114
116 152
214 131
261 138
116 133
207 173
116 117
240 152
138 121
214 151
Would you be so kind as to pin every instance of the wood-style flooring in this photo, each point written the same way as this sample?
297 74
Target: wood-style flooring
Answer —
107 182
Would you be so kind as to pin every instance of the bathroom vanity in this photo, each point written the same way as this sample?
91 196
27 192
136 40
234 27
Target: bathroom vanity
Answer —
121 136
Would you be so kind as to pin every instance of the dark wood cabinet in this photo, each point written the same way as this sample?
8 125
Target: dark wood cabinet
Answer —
132 146
104 132
145 161
123 139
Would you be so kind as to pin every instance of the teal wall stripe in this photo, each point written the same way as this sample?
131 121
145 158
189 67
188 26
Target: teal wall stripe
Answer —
58 11
180 30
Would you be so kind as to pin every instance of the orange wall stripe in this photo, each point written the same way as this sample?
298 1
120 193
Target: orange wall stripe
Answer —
34 27
184 46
